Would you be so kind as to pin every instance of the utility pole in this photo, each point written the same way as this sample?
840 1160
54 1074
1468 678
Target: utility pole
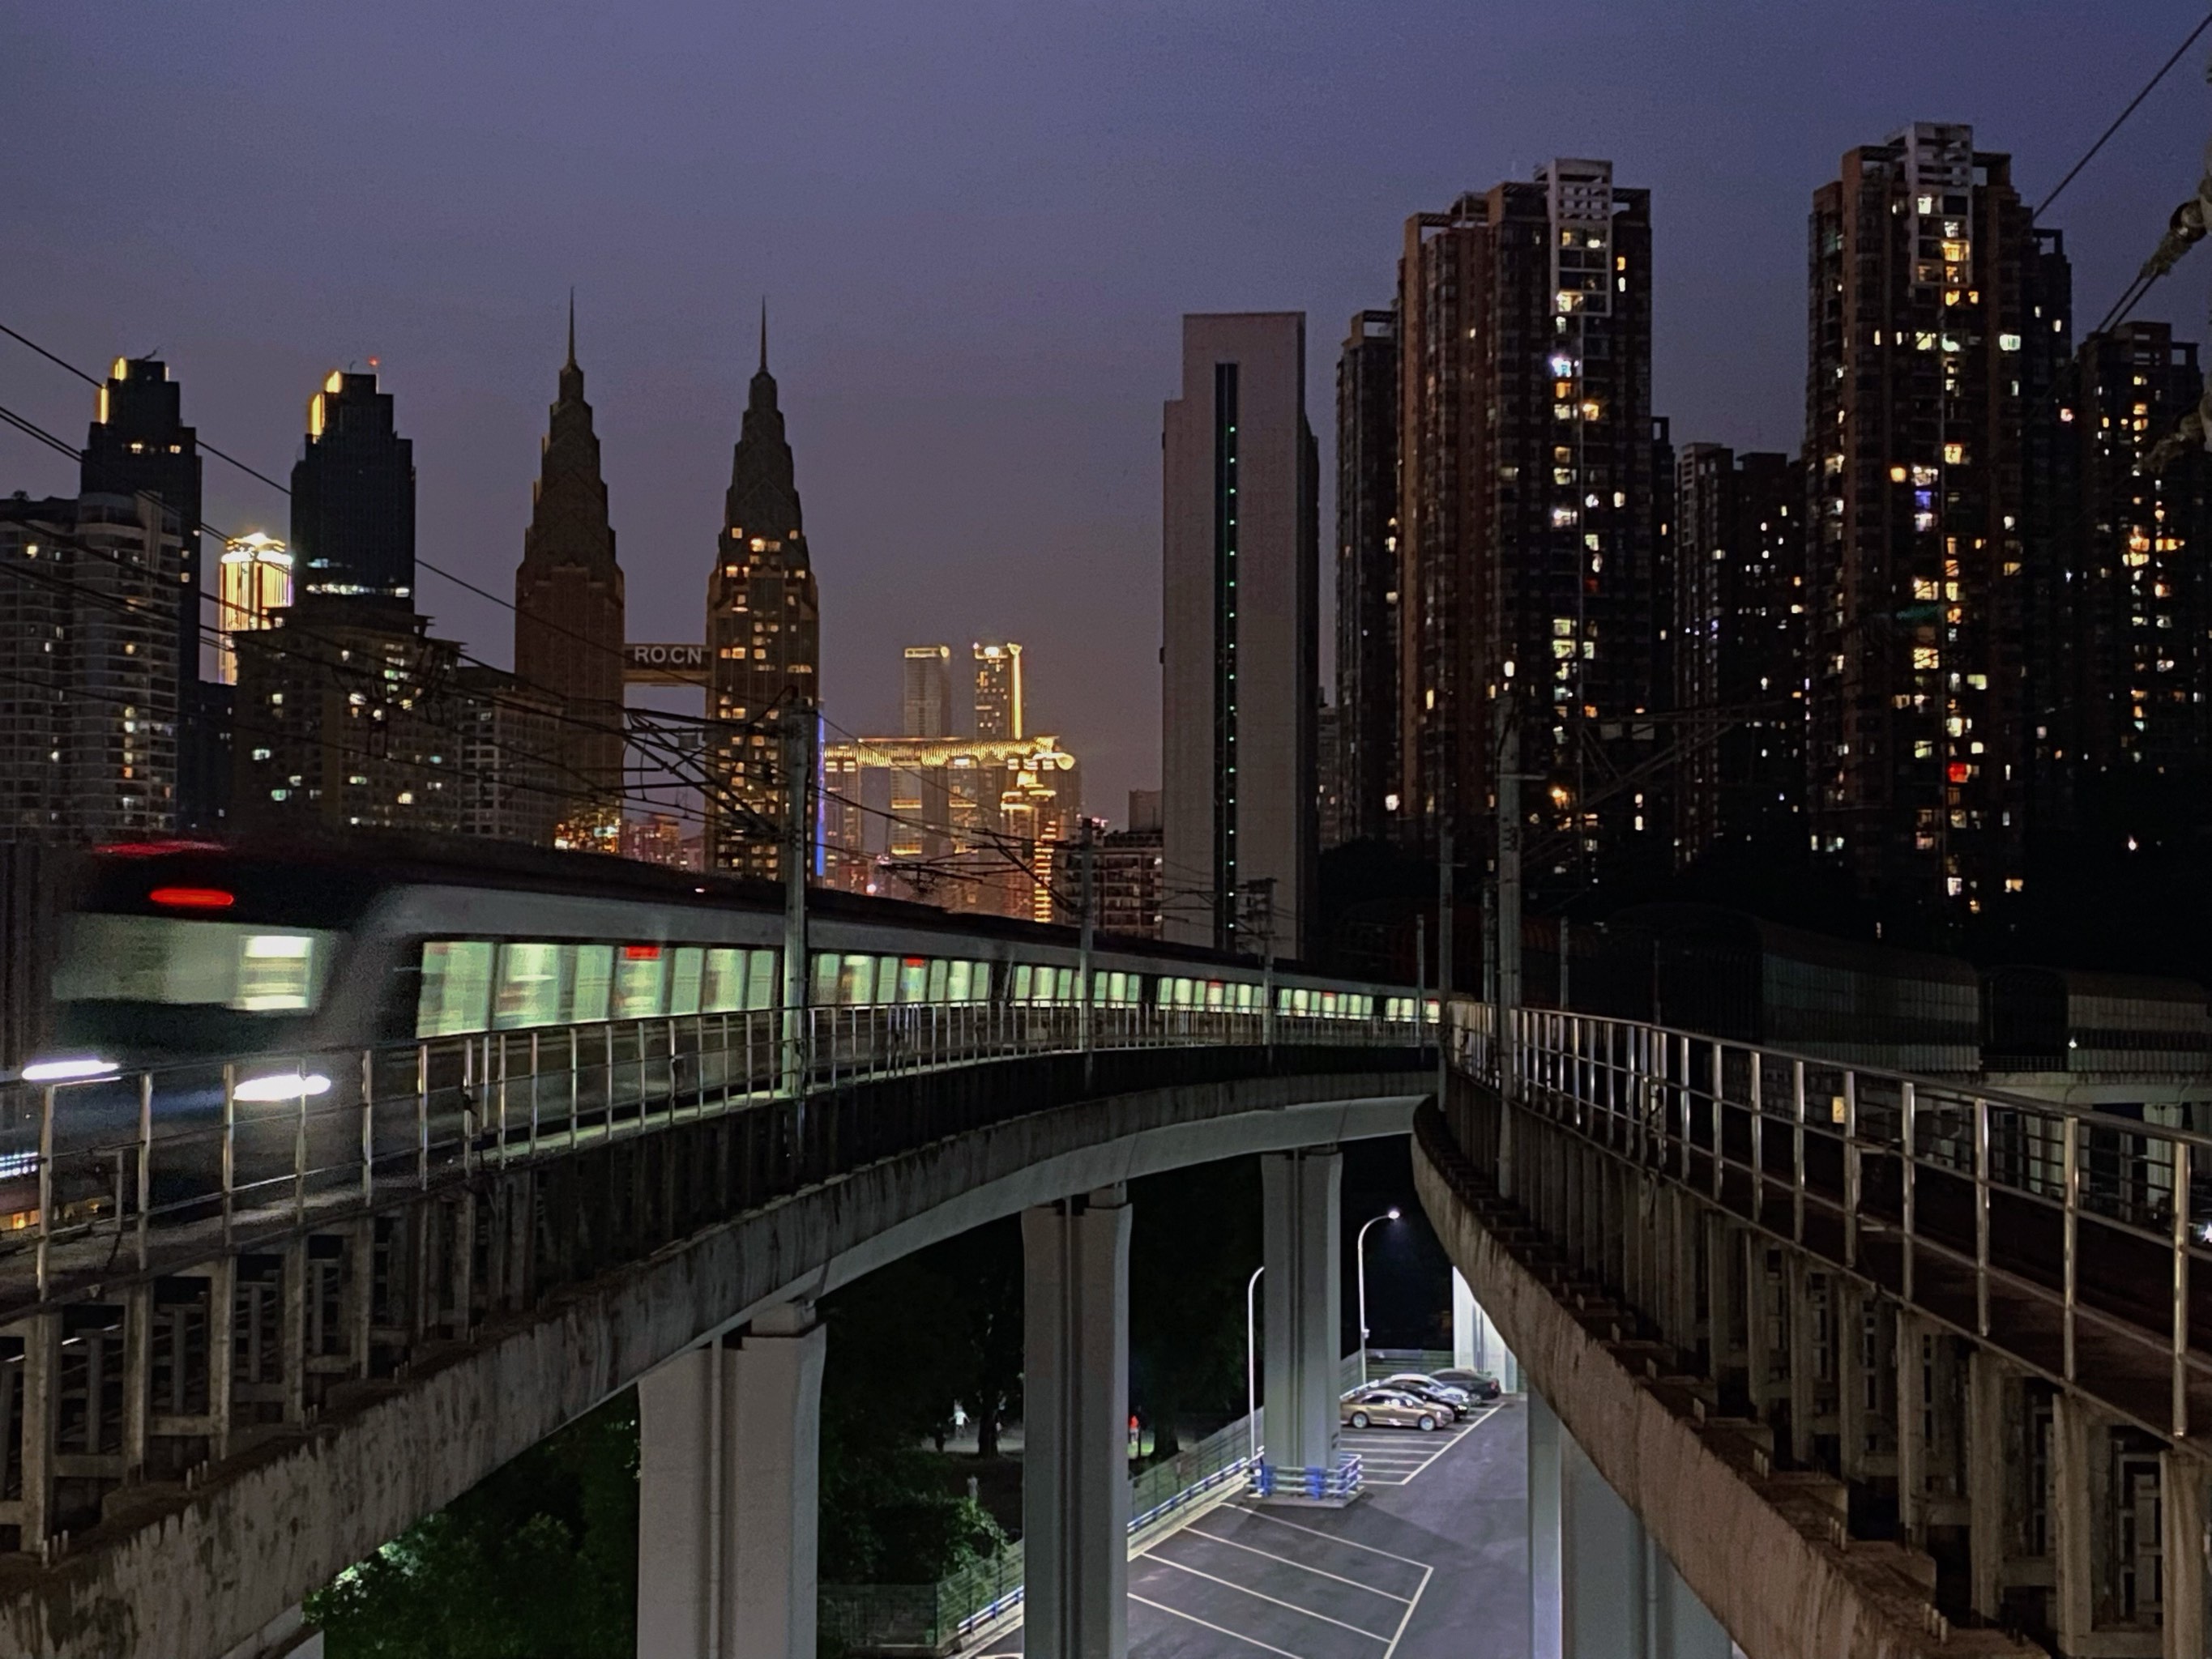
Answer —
1089 925
1444 958
795 731
1508 749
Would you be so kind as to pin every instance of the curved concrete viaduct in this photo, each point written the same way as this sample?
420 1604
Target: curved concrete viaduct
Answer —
175 1571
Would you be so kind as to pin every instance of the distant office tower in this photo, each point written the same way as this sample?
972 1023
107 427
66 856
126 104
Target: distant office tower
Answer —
763 625
347 719
1737 636
88 668
568 619
999 691
353 494
1367 712
1240 684
1526 518
1329 776
138 440
658 838
507 739
256 580
1128 886
2139 666
1143 809
1926 280
926 698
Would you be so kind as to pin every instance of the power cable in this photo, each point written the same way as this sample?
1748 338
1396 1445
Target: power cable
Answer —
2120 119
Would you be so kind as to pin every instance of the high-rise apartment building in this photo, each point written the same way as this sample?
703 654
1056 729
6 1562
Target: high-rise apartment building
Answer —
1526 521
1736 645
254 581
926 699
568 618
999 691
89 684
1240 560
1366 784
2137 657
353 494
1926 282
764 626
508 738
138 441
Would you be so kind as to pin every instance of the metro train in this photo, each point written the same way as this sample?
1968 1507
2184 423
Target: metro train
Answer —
183 951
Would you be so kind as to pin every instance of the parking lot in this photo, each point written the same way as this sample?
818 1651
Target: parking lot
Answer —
1432 1562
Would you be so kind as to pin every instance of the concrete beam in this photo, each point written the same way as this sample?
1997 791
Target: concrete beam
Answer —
1779 1589
192 1574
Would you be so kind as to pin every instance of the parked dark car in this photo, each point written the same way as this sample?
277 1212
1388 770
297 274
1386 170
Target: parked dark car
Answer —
1480 1386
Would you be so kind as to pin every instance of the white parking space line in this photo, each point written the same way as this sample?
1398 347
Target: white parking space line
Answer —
1248 1641
1330 1537
1274 1601
1287 1561
1399 1635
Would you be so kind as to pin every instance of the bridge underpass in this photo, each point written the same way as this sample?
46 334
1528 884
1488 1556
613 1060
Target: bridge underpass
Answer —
413 1347
1830 1360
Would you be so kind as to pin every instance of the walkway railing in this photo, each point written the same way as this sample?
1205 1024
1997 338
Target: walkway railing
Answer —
108 1170
2080 1235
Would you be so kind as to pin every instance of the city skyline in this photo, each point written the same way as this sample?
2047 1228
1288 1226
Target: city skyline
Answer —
937 443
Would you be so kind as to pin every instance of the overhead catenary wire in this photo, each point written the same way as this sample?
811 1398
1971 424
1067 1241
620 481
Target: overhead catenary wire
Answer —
2120 120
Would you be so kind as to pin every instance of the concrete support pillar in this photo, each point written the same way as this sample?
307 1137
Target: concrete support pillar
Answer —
1600 1587
729 1485
2181 1531
2074 1432
1075 1469
1912 1427
1758 1324
1301 1242
1803 1361
1985 1462
1477 1343
1852 1375
1723 1255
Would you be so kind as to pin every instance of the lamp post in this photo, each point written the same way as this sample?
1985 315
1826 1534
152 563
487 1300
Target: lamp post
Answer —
1251 1369
1359 1254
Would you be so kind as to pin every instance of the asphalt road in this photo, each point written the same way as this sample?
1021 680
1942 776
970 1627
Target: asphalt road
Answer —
1431 1564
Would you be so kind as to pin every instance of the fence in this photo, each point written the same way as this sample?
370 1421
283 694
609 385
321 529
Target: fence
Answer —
938 1618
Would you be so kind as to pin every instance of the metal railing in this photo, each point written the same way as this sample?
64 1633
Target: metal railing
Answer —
109 1170
1984 1206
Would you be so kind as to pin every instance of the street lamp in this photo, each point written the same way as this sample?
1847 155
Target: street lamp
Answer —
1359 1254
1251 1370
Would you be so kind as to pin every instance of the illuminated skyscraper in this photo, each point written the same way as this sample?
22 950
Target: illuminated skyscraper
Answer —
1525 523
255 580
569 617
1240 680
353 494
998 690
763 626
1932 300
927 691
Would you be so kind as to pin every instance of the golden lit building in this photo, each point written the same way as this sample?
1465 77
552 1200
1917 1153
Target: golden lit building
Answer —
255 580
998 690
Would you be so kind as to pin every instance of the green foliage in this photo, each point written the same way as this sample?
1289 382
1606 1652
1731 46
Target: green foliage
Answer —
537 1561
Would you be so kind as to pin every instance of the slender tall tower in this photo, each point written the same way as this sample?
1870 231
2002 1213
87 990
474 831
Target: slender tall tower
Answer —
1367 711
352 495
763 625
568 616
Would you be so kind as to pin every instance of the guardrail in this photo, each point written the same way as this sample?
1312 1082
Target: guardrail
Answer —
113 1164
1956 1198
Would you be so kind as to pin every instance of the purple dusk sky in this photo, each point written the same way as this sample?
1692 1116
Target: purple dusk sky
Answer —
976 223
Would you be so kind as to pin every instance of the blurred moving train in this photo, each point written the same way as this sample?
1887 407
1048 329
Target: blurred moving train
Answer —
2133 1045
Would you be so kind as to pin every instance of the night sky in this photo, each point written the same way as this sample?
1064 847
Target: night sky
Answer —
977 225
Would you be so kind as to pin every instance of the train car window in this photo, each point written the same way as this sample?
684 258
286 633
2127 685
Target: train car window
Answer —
858 983
529 985
940 977
913 979
979 987
959 980
456 994
1185 993
1022 971
761 988
683 982
593 988
222 964
1066 992
1163 991
641 982
826 968
887 979
725 987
